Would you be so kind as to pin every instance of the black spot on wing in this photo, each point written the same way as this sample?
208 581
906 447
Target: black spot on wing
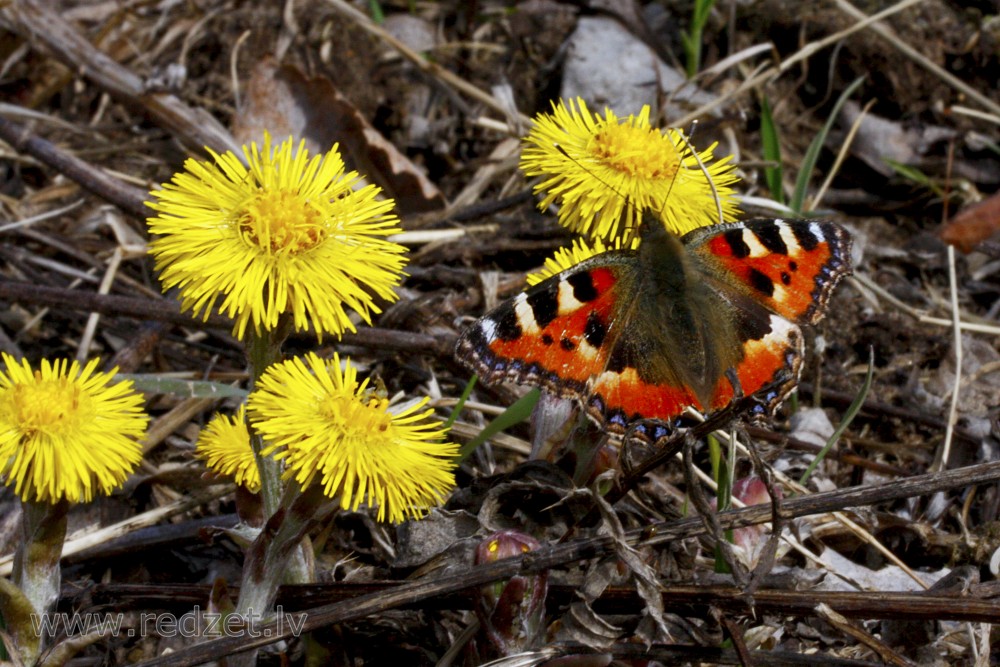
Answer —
547 339
739 248
753 325
583 286
770 238
786 278
595 330
508 328
805 236
567 344
761 282
619 359
544 305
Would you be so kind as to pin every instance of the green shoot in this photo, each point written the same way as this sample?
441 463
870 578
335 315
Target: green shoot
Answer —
515 414
461 401
853 410
812 154
917 176
772 152
691 40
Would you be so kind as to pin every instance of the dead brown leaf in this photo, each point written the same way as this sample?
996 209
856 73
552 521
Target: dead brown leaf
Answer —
284 101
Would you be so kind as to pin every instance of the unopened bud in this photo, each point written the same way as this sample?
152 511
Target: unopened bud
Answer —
512 612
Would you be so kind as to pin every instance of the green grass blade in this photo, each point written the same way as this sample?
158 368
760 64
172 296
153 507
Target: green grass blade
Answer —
691 40
812 155
515 414
461 401
772 152
853 410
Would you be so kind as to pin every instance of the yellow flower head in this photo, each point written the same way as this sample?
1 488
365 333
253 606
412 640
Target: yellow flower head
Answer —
567 258
224 445
66 432
601 170
287 234
325 424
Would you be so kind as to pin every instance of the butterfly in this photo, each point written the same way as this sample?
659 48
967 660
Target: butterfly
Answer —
638 336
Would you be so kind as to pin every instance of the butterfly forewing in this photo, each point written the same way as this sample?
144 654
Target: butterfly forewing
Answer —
557 334
790 266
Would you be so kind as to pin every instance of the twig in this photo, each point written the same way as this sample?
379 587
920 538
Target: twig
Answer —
130 199
838 621
845 148
148 518
913 54
38 24
166 310
553 556
683 598
425 65
864 21
949 430
107 304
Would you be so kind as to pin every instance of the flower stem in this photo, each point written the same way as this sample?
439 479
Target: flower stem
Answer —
268 557
36 561
275 552
262 351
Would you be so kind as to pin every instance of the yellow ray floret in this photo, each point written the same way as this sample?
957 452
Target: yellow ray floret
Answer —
331 429
67 433
567 258
604 173
286 234
224 444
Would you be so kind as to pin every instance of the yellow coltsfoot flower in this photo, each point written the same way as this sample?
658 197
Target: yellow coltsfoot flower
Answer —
67 433
224 445
604 173
286 234
329 427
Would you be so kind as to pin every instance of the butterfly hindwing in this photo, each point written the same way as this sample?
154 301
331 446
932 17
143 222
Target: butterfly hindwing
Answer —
622 401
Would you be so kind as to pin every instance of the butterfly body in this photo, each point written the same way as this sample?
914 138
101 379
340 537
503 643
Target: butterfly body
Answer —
637 336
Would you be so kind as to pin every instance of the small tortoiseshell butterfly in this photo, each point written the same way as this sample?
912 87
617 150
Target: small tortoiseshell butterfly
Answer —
637 336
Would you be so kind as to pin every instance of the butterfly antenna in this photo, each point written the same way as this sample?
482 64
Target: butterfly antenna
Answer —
631 231
704 170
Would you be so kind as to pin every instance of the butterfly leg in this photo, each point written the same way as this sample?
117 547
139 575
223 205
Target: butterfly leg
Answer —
709 518
768 555
734 380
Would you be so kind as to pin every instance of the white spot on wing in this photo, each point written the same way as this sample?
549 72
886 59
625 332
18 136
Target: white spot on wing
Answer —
489 329
788 236
780 294
586 350
525 316
781 328
567 301
783 334
757 248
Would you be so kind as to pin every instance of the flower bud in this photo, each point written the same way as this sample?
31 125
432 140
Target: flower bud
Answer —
511 612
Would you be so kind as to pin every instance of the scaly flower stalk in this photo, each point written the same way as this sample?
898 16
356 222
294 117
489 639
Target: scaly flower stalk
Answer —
66 433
